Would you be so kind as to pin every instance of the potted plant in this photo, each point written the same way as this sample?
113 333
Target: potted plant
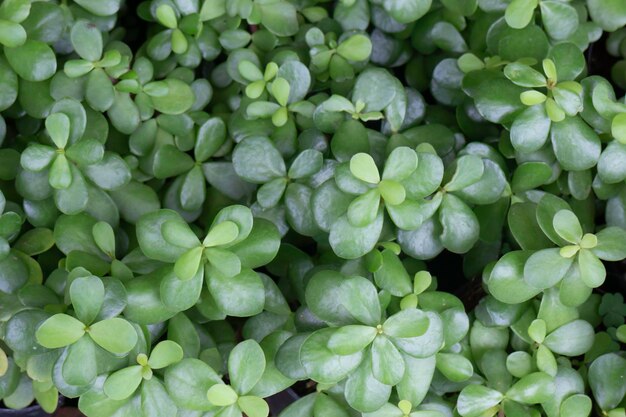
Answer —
302 208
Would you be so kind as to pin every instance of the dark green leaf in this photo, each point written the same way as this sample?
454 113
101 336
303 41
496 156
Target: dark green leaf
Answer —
246 364
575 144
32 61
605 379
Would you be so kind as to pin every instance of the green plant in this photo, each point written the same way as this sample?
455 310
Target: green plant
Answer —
416 206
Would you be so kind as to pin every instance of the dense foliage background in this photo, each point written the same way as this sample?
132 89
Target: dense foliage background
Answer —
395 207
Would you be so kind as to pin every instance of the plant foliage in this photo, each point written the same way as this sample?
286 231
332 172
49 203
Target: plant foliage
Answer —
203 202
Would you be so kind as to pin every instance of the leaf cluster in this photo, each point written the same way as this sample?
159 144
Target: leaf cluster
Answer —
204 202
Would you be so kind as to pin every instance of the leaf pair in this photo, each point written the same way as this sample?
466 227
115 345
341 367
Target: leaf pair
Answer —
170 161
335 60
10 226
170 96
478 400
194 385
366 349
98 66
115 335
577 261
167 16
236 293
257 160
231 226
400 165
560 20
474 179
223 260
12 34
288 85
575 145
574 268
446 219
38 157
571 339
562 99
87 295
375 92
123 383
259 81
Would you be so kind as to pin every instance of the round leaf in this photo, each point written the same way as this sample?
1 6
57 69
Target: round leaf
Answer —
387 362
406 11
455 367
400 163
179 97
572 339
321 364
374 87
242 295
32 61
58 127
460 225
609 14
246 365
350 242
606 375
364 209
475 400
407 323
592 271
188 382
351 339
519 13
363 167
59 330
506 282
221 395
123 383
87 295
546 268
524 75
577 405
530 129
610 245
364 392
257 160
307 163
86 40
115 335
560 20
534 388
355 48
566 224
575 144
253 406
164 354
79 367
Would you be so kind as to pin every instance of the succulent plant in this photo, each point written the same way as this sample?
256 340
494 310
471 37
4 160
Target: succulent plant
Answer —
396 208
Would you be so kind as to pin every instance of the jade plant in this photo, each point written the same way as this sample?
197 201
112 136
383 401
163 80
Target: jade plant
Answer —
377 208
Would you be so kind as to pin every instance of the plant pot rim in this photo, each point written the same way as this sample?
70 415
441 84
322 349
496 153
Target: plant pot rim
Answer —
30 410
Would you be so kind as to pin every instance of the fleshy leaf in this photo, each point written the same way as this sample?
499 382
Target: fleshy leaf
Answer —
123 383
164 354
364 168
351 339
87 295
115 335
59 330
